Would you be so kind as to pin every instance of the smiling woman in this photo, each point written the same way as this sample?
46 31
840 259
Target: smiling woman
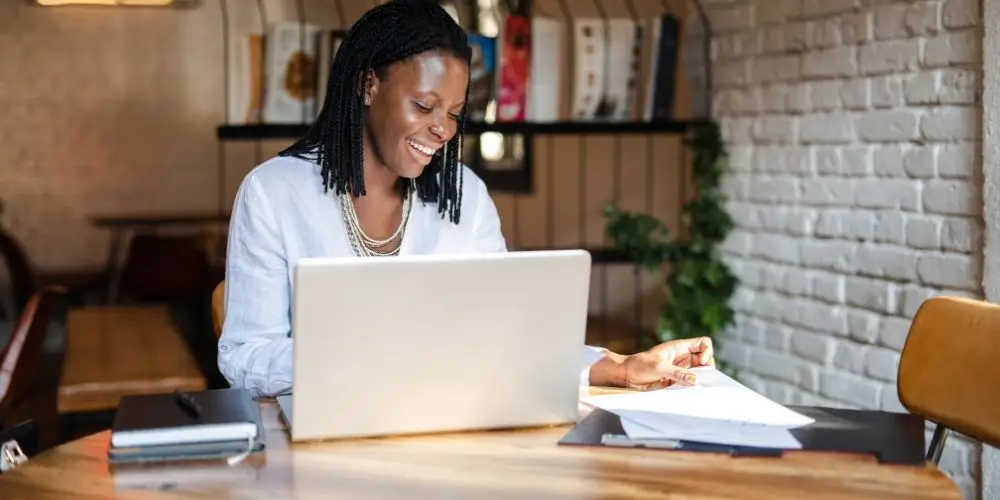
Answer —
378 174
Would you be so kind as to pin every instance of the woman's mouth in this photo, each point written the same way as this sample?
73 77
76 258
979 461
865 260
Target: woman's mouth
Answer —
420 149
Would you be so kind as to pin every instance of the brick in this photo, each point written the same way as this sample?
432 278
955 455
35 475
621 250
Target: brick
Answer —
825 95
871 294
920 162
922 18
893 332
888 160
833 62
863 326
851 389
887 262
778 337
886 91
888 126
890 227
776 69
797 36
949 270
962 234
820 8
812 346
778 189
949 124
808 377
796 282
733 74
779 11
774 129
849 357
952 198
889 193
857 161
951 86
913 297
881 364
960 13
856 27
816 316
839 256
731 18
773 98
770 364
923 233
798 99
827 128
889 22
892 56
827 192
953 49
828 288
956 161
854 94
824 33
776 248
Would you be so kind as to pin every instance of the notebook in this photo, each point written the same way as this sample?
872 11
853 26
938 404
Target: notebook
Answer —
166 419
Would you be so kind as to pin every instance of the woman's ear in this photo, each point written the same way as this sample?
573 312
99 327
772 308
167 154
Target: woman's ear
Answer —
368 83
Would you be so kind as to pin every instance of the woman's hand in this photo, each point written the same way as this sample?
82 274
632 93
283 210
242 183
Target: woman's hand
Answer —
659 367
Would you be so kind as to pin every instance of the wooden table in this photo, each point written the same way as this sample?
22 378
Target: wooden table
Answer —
120 350
493 465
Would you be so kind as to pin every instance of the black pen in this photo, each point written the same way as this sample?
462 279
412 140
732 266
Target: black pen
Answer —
188 404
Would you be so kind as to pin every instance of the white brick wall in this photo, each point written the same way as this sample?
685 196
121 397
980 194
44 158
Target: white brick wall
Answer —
853 127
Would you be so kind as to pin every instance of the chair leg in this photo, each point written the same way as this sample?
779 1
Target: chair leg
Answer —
936 447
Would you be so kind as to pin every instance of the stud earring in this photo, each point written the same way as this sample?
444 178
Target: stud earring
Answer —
368 100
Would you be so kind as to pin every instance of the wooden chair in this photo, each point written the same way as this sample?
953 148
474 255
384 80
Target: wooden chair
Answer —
949 367
23 395
22 275
219 307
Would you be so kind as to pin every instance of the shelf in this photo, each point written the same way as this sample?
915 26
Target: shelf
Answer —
280 131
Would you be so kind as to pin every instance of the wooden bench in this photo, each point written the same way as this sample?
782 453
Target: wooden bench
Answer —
116 351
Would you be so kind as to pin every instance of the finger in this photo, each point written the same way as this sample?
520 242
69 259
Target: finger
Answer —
679 374
702 350
663 383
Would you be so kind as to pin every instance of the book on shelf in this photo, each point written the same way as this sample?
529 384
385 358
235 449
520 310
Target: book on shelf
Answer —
620 70
164 427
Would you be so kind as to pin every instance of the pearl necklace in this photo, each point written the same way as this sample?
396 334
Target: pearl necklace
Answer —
364 245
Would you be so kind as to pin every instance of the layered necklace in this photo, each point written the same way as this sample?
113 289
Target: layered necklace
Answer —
361 243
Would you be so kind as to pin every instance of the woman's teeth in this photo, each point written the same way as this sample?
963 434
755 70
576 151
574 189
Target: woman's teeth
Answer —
423 149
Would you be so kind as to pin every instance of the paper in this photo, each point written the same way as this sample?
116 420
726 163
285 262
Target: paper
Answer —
716 410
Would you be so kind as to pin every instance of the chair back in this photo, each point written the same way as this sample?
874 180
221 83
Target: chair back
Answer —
22 274
949 367
21 359
219 307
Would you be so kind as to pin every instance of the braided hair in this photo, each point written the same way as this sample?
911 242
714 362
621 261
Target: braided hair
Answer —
388 33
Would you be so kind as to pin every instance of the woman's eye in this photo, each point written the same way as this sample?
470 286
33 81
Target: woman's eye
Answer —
422 107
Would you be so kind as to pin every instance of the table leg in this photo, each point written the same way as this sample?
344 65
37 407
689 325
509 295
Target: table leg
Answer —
113 266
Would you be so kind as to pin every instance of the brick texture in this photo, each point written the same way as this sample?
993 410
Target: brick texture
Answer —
856 194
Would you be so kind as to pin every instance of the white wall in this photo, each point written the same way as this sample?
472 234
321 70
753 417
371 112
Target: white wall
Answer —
991 198
854 134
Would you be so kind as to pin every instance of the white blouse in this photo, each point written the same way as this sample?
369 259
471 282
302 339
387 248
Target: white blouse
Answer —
281 215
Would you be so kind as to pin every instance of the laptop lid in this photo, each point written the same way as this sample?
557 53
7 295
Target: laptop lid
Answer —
437 343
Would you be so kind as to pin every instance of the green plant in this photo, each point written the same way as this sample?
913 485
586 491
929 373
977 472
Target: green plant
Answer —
700 284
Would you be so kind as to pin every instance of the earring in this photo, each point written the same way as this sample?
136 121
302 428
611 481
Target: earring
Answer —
368 100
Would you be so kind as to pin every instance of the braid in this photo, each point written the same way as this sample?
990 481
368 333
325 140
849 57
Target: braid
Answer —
390 32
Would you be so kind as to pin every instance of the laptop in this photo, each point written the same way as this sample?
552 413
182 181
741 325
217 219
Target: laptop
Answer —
436 343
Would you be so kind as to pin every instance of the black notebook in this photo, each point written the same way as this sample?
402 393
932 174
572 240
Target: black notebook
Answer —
896 438
174 419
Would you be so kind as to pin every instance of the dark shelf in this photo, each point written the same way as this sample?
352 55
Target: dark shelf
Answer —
279 131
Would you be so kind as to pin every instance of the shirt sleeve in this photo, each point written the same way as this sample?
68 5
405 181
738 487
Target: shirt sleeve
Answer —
489 238
255 348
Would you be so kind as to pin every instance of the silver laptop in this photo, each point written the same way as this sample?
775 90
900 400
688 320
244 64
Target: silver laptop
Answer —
436 343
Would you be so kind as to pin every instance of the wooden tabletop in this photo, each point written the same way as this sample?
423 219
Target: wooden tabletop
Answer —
118 350
494 465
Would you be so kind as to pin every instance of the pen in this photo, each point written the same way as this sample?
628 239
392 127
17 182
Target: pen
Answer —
187 403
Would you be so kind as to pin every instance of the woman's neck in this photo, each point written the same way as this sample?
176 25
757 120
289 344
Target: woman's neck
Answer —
380 181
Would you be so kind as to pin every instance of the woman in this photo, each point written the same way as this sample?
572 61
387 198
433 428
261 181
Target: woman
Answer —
378 175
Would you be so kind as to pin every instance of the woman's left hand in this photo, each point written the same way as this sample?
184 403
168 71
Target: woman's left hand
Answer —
666 364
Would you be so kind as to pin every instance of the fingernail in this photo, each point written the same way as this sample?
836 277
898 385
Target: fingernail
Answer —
690 378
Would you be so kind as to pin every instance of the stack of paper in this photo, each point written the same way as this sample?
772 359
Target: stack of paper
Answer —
716 410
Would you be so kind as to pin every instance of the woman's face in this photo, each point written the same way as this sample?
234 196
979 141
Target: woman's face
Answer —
414 111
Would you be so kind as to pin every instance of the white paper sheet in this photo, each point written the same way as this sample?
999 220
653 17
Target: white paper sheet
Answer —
717 410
